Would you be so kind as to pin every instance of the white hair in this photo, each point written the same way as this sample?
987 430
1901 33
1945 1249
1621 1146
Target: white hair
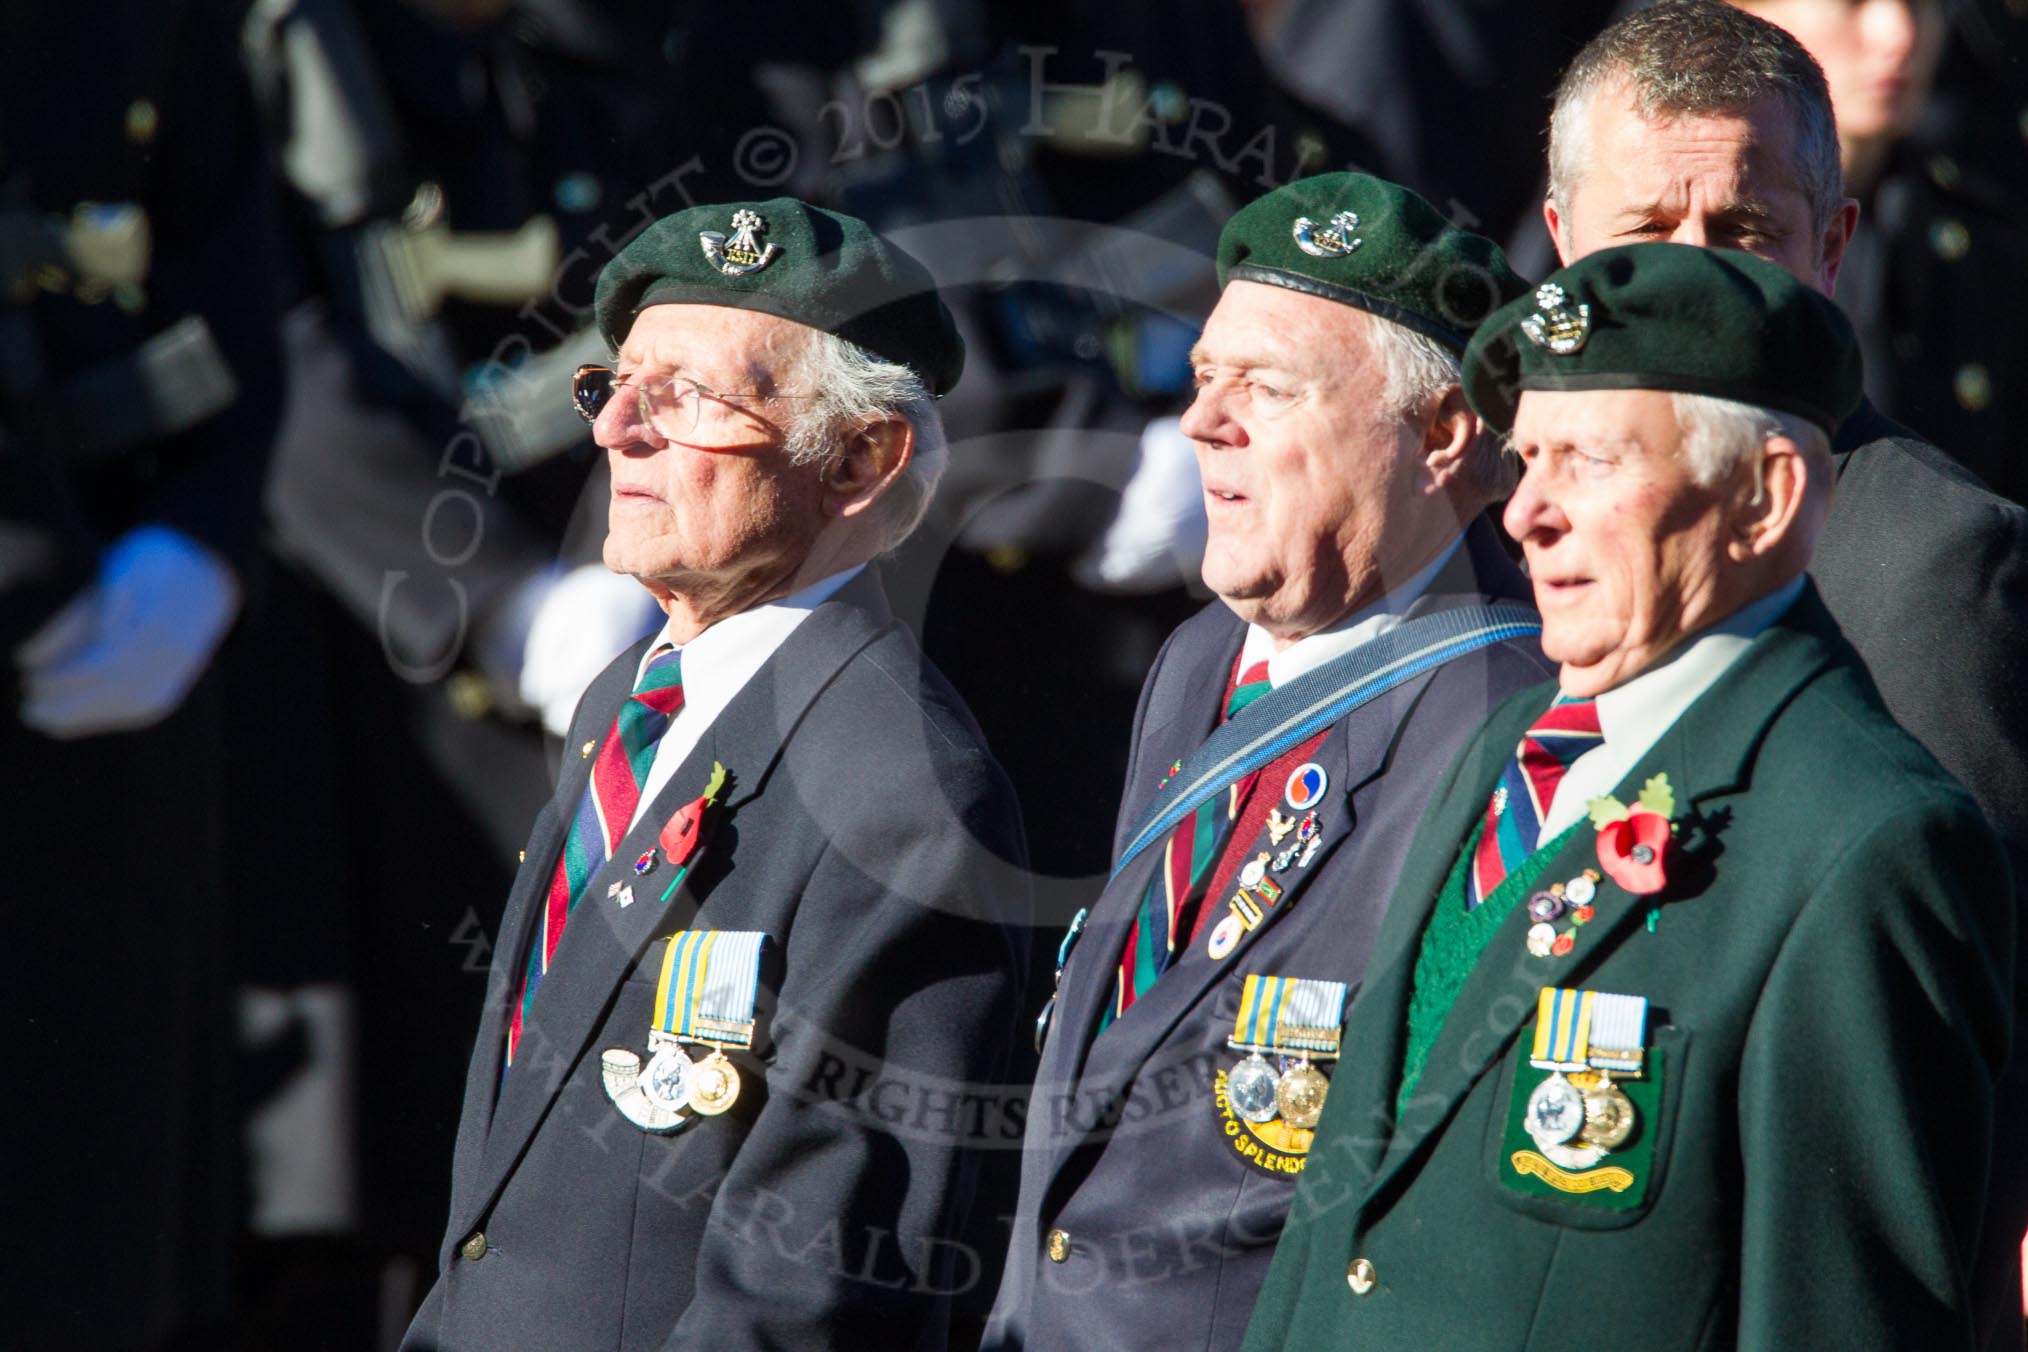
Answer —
1418 369
852 387
1719 434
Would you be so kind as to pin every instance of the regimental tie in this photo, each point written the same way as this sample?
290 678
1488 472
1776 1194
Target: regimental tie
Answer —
603 815
1189 859
1527 787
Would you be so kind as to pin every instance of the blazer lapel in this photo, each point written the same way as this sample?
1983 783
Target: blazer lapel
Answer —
603 940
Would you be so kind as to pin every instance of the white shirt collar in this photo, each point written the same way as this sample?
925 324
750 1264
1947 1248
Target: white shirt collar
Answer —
1363 626
1635 713
718 663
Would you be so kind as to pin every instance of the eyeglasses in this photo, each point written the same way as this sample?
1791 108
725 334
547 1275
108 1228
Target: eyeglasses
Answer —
675 407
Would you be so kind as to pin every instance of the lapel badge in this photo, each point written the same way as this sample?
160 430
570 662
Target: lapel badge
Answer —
1555 324
1254 870
645 864
1270 891
745 253
1224 937
622 893
1333 241
1286 858
1278 826
1310 846
1568 902
1306 786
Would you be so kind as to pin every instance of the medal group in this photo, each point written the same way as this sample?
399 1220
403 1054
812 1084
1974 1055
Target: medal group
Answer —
703 998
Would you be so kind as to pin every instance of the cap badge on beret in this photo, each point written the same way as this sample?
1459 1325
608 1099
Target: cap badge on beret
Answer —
745 254
1333 241
1555 324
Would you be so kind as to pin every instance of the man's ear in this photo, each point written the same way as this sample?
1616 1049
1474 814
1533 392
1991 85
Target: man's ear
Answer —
1551 219
873 458
1831 248
1448 436
1768 501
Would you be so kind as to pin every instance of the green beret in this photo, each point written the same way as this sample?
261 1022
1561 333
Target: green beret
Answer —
1366 242
789 259
1670 317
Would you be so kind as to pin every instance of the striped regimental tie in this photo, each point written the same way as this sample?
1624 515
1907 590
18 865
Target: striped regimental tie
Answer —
603 815
1189 858
1520 801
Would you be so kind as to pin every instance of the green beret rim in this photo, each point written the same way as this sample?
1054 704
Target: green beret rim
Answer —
1345 295
1670 384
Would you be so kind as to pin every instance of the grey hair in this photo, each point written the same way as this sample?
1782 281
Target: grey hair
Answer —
1699 58
1718 434
1418 369
852 387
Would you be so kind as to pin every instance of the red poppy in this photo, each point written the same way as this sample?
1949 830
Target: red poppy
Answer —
1581 916
1632 851
679 837
1564 943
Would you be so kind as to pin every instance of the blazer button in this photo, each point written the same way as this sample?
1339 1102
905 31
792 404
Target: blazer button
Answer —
1361 1277
1058 1245
474 1248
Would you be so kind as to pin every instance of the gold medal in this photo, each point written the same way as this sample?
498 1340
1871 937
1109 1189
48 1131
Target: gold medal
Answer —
714 1084
1608 1116
1300 1096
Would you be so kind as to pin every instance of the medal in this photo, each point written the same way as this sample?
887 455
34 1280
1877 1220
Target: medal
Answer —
1300 1096
704 997
1285 1017
1608 1115
1555 1112
1593 1035
666 1081
714 1084
1251 1088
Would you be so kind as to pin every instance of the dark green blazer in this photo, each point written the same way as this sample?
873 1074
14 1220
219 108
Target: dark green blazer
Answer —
1829 974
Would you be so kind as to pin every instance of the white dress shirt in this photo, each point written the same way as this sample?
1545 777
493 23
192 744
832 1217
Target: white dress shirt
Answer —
1633 715
1361 627
717 664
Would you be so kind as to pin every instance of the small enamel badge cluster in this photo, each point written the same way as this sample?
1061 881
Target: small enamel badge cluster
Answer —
1258 892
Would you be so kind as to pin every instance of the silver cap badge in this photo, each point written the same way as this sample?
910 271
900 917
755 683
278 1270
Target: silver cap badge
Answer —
1555 324
745 253
1333 241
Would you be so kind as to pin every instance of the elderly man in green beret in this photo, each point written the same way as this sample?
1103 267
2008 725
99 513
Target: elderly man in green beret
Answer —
1685 1021
1288 737
768 929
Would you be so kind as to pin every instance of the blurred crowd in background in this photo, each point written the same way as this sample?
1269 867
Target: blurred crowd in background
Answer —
299 535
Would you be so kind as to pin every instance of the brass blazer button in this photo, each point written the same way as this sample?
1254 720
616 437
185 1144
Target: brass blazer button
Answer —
1361 1277
1059 1245
474 1248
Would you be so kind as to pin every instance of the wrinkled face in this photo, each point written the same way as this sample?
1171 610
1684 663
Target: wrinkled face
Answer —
1305 471
1626 551
723 511
1724 181
1879 56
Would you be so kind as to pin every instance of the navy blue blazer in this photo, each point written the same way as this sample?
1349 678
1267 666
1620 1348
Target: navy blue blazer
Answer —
1170 1226
869 834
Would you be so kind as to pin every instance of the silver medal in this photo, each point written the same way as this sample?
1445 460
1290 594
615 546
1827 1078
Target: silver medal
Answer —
1251 1089
666 1081
1555 1111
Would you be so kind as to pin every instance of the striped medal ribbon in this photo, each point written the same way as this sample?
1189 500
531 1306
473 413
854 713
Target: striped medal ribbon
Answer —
704 996
1283 1016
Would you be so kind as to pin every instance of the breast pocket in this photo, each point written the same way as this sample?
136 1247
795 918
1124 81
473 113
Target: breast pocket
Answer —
1583 1181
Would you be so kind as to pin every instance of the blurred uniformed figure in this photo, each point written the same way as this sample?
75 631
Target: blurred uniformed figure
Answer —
1696 122
139 381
